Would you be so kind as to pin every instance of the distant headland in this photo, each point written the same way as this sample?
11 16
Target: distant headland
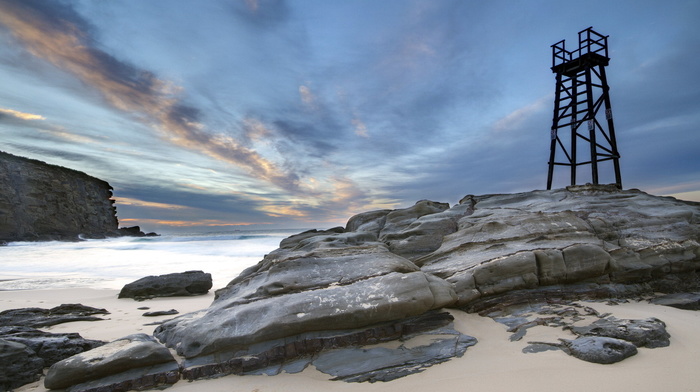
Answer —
42 202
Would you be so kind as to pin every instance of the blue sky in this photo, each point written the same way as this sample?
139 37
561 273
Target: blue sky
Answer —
210 115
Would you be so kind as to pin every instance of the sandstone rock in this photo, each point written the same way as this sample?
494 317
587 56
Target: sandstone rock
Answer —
38 317
135 360
372 221
579 234
19 365
50 347
688 301
485 252
293 354
598 349
169 285
230 326
309 269
360 364
39 201
294 240
507 273
584 261
161 313
418 230
650 333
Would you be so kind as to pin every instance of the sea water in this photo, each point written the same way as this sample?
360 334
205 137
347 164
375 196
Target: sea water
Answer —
111 263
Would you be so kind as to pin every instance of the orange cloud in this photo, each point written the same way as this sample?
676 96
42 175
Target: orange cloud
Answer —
22 115
182 223
61 41
140 203
277 211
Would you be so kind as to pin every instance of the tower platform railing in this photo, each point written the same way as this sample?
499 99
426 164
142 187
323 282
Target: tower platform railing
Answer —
589 42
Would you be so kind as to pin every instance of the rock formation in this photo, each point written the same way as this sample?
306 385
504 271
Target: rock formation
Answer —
20 365
650 333
168 285
599 349
689 301
42 201
133 362
50 347
484 252
39 317
45 202
519 258
26 351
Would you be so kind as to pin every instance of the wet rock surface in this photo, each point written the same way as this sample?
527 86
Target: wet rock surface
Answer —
598 349
160 313
601 337
131 362
650 332
50 347
39 317
317 285
169 285
372 364
338 352
19 365
25 351
687 301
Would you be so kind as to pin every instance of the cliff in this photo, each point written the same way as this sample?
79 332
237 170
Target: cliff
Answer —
39 201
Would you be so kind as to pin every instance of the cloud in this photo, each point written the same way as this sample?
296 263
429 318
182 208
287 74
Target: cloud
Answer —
34 150
21 115
56 33
307 97
360 127
127 201
514 121
187 223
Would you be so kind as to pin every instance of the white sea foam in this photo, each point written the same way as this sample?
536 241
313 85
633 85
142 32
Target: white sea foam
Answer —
111 263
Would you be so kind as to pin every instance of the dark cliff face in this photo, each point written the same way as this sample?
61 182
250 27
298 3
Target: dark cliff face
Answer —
39 201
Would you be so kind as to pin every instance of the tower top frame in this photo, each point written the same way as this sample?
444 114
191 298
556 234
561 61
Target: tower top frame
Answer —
592 51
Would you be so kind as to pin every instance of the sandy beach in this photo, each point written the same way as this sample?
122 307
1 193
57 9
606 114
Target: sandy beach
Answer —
494 364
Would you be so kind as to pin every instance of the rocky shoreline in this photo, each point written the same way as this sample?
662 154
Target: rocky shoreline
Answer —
335 296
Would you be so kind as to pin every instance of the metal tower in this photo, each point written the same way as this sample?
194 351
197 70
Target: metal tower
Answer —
581 93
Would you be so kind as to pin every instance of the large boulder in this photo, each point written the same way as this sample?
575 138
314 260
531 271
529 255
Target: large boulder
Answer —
324 289
650 332
19 365
132 362
599 349
170 285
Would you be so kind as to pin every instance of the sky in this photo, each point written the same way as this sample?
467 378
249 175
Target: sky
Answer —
260 114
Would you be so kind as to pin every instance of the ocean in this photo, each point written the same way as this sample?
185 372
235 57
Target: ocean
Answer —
112 263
